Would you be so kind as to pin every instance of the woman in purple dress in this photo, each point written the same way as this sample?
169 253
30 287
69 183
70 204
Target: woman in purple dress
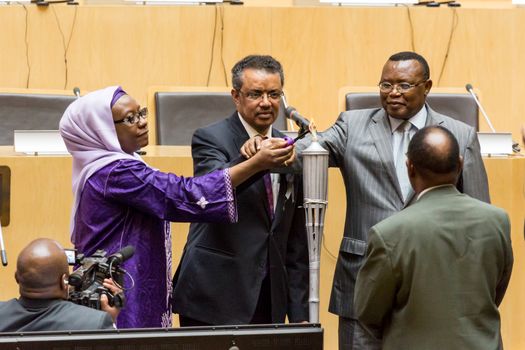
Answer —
120 200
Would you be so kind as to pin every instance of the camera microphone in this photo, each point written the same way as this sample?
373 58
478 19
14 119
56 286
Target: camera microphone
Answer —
122 255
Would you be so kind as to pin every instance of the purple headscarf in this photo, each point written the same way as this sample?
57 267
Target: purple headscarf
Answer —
89 134
116 95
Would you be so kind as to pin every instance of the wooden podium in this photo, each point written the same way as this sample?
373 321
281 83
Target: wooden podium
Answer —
41 199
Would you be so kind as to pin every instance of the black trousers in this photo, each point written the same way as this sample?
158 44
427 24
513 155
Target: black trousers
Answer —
261 315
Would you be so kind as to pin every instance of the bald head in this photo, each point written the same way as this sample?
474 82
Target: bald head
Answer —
40 270
433 158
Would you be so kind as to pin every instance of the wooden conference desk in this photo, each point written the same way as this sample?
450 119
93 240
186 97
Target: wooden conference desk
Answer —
41 202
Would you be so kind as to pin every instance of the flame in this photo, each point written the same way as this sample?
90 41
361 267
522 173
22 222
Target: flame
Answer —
313 130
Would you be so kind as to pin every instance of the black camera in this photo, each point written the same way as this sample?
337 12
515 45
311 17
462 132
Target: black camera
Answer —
87 280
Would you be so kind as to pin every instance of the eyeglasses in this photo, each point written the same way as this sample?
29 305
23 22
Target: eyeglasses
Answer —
134 118
387 87
255 95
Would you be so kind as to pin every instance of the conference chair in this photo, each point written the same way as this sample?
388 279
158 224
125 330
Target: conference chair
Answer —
31 109
176 112
456 103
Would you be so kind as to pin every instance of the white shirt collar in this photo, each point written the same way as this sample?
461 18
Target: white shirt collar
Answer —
426 190
419 120
251 131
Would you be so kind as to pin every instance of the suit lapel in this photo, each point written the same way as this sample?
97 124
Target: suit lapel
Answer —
432 117
382 137
241 137
435 118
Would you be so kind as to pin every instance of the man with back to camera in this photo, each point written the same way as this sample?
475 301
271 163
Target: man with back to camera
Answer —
436 272
367 146
254 271
42 273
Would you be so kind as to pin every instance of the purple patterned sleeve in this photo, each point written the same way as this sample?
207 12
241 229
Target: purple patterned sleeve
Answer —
232 207
207 198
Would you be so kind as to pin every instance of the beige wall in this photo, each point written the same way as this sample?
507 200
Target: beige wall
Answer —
321 48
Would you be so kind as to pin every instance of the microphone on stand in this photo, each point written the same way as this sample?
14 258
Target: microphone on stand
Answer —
2 248
502 146
303 124
76 91
471 92
292 114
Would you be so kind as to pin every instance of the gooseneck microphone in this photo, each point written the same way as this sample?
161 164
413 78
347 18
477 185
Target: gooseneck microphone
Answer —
122 255
471 92
76 91
292 114
2 248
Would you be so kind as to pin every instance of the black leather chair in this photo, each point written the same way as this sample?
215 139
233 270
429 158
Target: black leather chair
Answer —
30 111
178 114
460 106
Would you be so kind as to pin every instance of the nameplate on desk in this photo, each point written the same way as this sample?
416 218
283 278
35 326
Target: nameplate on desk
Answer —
370 2
39 142
495 143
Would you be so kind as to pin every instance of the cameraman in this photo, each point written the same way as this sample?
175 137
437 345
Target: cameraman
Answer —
42 273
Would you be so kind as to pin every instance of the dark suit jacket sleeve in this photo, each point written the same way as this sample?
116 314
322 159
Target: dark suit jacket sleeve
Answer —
474 176
503 283
208 154
297 265
375 286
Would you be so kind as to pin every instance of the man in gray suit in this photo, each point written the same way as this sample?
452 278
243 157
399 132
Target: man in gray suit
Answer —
365 145
42 273
368 148
436 272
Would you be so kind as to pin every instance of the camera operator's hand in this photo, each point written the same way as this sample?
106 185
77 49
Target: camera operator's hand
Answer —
113 311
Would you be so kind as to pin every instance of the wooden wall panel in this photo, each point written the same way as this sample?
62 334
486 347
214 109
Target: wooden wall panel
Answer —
321 48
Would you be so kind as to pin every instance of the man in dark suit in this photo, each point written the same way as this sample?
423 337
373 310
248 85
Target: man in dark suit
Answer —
254 271
368 147
436 272
42 274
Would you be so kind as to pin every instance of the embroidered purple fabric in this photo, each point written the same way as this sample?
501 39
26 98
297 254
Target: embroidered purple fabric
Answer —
129 203
120 200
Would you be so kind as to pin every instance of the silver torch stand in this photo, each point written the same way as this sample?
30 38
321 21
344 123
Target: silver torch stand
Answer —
315 182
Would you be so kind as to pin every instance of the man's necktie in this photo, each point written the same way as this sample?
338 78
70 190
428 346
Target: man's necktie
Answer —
269 192
401 169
